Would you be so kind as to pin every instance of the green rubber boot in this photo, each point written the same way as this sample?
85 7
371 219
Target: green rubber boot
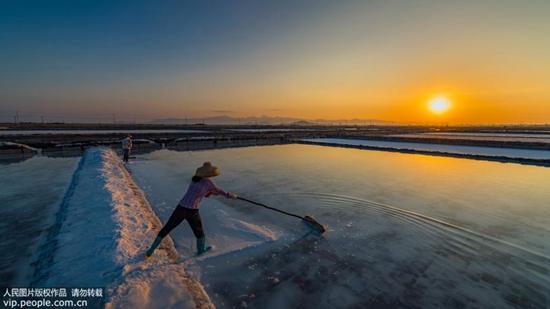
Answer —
155 244
201 246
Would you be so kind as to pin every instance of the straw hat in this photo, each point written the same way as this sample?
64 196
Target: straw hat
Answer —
207 170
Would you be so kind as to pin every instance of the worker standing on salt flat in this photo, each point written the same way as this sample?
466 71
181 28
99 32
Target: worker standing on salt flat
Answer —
126 147
188 208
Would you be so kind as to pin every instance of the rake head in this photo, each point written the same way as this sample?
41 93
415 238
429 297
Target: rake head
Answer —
309 220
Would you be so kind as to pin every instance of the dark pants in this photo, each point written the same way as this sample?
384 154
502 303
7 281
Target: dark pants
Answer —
191 215
126 153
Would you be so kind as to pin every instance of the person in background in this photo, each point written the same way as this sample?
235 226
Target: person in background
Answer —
126 147
188 207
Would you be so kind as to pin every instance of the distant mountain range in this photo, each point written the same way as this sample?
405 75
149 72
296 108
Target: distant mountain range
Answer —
267 120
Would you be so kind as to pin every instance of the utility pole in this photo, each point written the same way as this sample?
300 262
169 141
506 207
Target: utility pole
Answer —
16 117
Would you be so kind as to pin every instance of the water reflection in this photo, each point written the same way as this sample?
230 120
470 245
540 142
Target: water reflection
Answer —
30 192
404 230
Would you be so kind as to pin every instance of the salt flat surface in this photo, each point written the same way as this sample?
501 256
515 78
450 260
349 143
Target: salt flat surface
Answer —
91 132
526 135
18 145
525 138
101 231
270 130
512 153
405 230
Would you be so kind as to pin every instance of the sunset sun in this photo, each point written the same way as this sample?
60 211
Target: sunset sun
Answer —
439 105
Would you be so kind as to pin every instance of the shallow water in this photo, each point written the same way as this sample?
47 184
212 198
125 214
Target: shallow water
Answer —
30 193
404 229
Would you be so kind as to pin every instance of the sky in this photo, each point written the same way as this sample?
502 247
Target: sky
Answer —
307 59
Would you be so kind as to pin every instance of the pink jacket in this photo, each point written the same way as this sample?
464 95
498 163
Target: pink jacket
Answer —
197 190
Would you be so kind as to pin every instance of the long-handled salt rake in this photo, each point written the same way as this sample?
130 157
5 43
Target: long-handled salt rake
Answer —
306 219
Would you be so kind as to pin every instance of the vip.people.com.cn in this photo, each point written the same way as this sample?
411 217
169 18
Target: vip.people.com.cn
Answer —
51 297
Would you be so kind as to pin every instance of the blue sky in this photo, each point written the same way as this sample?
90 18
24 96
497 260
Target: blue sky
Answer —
80 50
